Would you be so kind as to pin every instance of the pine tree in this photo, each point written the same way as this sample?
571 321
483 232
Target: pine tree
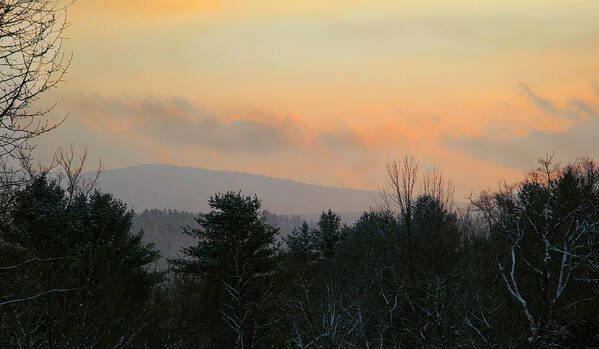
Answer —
328 235
300 241
236 255
79 265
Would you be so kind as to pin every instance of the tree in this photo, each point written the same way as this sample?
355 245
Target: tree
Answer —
300 244
32 62
236 255
399 189
547 229
101 272
436 236
439 188
328 234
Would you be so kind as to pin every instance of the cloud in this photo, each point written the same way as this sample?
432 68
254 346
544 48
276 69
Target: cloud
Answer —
596 87
583 107
273 134
520 152
541 103
515 153
574 109
177 122
340 139
500 143
174 128
128 130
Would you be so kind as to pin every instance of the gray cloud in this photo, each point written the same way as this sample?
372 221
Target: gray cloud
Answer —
177 122
516 153
236 135
582 107
348 147
341 139
541 103
575 108
519 152
233 136
596 87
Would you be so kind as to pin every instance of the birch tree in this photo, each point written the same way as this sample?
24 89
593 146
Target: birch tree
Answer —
549 225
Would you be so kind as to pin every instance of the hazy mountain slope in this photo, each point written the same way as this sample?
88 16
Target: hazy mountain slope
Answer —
170 187
164 228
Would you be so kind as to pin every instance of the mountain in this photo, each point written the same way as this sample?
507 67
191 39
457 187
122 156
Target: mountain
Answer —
161 186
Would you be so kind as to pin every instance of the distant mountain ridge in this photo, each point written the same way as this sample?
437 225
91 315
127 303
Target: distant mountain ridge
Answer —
161 186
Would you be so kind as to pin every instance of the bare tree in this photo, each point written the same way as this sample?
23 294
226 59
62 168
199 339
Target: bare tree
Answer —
71 171
399 190
31 63
439 188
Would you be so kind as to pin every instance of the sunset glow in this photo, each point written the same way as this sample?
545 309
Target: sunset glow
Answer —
327 92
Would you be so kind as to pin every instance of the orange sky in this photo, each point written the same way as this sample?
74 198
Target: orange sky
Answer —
327 92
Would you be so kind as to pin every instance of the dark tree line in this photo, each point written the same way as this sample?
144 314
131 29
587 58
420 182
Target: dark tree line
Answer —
72 273
519 269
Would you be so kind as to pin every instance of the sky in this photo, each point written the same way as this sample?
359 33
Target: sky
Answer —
329 91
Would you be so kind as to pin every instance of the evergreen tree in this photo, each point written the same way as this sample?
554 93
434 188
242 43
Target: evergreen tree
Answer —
83 273
328 235
235 256
301 254
435 241
300 241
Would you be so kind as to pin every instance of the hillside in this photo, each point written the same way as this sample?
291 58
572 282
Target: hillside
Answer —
161 186
164 228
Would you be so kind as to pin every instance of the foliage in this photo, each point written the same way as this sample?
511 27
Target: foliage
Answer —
328 234
546 229
234 258
78 261
519 269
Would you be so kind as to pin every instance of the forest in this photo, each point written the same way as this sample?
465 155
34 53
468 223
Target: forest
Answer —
517 268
